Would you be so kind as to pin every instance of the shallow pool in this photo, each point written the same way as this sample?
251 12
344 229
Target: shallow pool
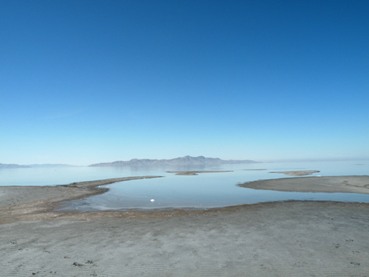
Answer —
216 189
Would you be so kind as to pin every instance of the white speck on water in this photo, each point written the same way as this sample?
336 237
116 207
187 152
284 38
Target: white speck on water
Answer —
152 200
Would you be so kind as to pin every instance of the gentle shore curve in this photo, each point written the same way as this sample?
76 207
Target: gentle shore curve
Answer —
289 238
34 202
271 239
350 184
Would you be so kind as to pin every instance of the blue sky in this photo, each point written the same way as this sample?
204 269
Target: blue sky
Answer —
90 81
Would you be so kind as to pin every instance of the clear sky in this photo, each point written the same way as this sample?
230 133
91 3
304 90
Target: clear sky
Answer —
84 81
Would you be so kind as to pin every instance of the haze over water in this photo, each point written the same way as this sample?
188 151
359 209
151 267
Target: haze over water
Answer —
201 191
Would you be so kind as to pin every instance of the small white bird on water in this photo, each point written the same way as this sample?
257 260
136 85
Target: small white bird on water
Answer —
152 200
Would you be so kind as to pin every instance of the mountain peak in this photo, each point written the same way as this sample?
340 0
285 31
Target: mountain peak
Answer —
180 161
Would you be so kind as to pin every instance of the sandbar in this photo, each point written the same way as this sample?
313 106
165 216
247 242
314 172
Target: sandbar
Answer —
292 238
354 184
35 202
196 172
297 172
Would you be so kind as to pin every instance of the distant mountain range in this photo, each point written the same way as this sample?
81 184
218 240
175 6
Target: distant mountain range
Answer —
176 162
31 165
13 166
187 161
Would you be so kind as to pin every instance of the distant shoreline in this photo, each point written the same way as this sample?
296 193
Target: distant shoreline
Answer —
296 172
196 172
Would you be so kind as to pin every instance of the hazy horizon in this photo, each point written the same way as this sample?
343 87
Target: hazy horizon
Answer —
169 158
83 82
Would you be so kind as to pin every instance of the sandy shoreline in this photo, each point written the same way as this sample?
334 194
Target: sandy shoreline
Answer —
36 202
273 239
350 184
270 239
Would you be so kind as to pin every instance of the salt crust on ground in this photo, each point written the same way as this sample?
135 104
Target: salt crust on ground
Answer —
270 239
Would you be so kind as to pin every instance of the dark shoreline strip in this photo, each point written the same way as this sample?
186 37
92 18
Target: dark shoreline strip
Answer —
196 172
94 187
103 182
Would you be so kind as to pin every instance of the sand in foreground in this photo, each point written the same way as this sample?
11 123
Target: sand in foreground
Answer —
275 239
271 239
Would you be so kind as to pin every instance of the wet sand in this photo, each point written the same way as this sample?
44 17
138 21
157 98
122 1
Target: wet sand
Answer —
36 202
271 239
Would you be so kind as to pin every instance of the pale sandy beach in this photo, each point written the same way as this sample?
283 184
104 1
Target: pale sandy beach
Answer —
355 184
35 202
270 239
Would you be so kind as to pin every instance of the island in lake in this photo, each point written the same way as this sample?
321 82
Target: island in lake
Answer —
196 172
176 162
351 184
297 172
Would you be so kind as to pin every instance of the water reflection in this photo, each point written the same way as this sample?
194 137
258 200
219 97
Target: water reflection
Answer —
201 191
217 189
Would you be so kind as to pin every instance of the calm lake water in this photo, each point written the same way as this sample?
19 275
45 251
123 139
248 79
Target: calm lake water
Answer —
201 191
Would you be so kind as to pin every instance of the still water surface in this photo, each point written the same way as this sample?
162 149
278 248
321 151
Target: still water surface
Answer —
201 191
